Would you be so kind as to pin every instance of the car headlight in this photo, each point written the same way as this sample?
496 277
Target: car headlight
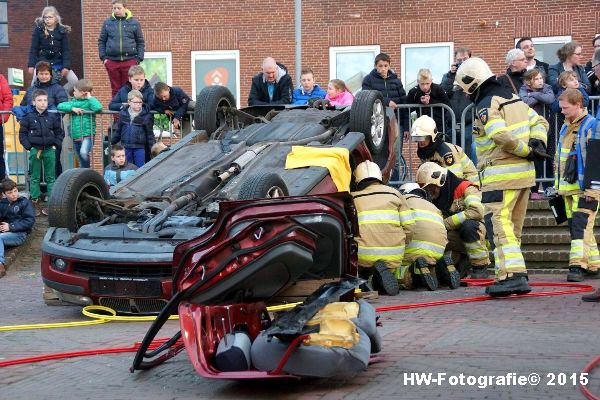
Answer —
59 264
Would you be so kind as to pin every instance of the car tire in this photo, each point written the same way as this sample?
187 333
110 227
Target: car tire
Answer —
263 185
67 208
207 113
368 117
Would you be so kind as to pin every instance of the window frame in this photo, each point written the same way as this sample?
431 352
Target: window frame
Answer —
217 55
405 46
159 55
6 24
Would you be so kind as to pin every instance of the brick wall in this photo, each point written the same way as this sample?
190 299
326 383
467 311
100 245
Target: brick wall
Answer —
21 16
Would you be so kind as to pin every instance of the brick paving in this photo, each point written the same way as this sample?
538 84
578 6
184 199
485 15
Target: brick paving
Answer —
533 335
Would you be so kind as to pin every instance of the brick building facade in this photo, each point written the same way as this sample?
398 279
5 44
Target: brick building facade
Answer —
257 30
21 16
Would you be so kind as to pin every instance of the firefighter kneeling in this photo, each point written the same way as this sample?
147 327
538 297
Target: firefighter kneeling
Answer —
424 258
383 218
459 200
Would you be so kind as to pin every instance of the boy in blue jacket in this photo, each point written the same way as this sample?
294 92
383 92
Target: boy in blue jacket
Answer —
172 101
135 129
40 134
119 169
16 219
308 89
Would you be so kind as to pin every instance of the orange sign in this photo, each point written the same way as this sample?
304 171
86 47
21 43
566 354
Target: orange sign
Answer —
216 76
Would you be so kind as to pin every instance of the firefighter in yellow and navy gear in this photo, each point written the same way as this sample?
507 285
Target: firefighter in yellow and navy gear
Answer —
459 200
508 136
428 243
581 203
383 219
432 147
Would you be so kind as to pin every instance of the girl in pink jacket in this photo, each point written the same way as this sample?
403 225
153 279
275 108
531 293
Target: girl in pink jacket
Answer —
338 94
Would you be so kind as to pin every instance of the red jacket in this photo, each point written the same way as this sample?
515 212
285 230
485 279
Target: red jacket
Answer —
6 98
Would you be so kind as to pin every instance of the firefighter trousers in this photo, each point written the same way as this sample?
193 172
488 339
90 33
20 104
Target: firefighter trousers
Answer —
469 239
581 215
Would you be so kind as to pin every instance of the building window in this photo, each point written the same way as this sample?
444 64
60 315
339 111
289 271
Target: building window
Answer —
218 67
351 64
3 23
437 57
546 47
158 67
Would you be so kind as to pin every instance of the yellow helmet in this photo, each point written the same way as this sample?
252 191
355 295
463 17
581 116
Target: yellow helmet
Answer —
431 173
422 127
367 169
472 73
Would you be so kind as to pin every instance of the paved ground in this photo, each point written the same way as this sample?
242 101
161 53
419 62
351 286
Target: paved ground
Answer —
550 335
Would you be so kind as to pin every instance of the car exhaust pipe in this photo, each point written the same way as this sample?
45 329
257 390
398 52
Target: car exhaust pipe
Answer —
155 222
240 163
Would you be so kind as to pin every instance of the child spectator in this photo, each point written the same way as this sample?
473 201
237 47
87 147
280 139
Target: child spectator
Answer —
6 103
539 96
17 216
428 93
119 169
338 94
46 82
568 80
137 81
121 44
135 129
172 101
40 133
308 89
83 107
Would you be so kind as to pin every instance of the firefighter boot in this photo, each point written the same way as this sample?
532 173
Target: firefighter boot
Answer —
426 273
589 274
479 272
516 284
384 279
575 274
446 272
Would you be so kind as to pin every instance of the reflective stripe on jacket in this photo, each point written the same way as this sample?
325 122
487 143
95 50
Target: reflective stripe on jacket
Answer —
429 236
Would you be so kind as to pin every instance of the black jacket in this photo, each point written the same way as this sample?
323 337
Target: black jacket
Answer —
136 134
282 94
459 100
391 88
116 104
41 131
53 48
436 96
56 93
515 77
19 215
121 39
178 103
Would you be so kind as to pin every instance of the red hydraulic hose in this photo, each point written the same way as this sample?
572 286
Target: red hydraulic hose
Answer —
586 392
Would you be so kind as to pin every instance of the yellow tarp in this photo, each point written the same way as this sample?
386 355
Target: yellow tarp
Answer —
335 159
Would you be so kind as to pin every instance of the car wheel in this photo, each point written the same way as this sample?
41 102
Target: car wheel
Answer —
71 204
368 117
263 185
208 113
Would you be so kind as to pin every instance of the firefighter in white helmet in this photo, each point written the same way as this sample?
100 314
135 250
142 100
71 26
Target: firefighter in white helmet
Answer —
509 136
383 220
459 200
429 240
432 147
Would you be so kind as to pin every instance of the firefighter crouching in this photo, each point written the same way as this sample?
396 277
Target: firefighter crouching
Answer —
432 147
459 200
581 204
424 255
383 218
509 136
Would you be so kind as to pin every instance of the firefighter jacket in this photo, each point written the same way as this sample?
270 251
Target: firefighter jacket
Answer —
383 219
573 142
429 235
453 157
502 131
459 200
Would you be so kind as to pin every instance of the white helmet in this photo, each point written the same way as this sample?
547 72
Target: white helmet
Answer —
409 187
422 127
367 169
430 173
472 73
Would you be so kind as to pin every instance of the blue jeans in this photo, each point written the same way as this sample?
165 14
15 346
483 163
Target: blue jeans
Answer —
83 148
10 239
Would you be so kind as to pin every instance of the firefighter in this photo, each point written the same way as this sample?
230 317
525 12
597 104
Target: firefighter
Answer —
581 203
509 136
428 243
459 200
432 147
383 220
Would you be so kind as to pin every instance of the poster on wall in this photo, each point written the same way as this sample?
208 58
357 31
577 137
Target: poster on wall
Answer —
220 68
157 66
